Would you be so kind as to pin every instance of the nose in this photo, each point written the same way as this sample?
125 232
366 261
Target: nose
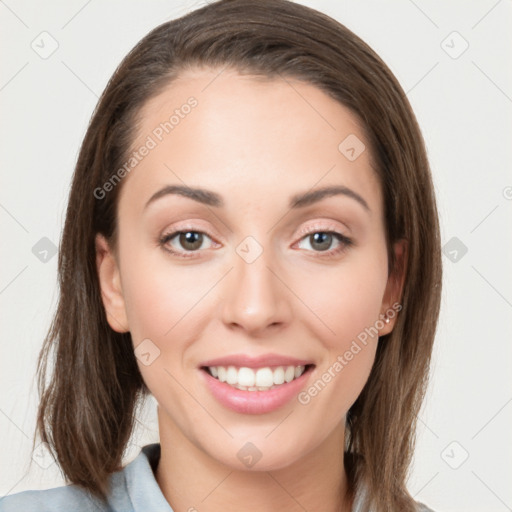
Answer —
256 298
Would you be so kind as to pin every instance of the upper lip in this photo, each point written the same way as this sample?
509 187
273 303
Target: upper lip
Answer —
242 360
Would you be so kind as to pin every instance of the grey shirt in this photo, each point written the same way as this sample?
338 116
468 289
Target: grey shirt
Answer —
134 489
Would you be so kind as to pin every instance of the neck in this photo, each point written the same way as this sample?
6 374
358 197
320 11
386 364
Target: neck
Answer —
193 481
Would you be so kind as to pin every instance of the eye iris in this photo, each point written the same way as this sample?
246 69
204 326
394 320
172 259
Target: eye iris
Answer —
191 237
321 238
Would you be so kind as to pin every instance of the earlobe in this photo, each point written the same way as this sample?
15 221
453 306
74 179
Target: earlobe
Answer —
391 303
110 285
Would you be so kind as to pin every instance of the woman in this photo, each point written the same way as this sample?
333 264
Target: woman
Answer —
251 238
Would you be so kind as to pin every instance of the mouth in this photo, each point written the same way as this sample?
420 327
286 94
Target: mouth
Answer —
255 386
257 379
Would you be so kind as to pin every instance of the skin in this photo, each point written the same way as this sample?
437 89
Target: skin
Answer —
256 142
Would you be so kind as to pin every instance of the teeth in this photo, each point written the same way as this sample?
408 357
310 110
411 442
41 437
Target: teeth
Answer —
264 378
245 377
289 374
231 375
261 379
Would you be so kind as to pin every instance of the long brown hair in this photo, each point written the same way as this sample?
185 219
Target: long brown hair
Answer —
87 408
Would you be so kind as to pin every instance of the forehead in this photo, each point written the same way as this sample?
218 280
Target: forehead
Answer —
222 130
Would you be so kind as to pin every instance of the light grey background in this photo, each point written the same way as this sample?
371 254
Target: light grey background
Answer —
463 101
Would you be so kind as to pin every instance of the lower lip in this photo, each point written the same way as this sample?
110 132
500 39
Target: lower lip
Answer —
255 402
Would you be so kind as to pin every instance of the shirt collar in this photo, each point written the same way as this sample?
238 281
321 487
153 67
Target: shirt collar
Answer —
142 487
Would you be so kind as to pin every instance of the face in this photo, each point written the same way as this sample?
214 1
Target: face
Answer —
252 280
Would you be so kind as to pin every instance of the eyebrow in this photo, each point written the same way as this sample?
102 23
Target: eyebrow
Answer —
301 200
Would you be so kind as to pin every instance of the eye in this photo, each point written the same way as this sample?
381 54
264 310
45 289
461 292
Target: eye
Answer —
188 240
184 243
322 240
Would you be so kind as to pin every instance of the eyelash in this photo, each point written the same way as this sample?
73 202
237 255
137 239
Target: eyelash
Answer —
345 242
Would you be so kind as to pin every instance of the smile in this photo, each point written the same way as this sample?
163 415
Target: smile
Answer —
256 379
255 390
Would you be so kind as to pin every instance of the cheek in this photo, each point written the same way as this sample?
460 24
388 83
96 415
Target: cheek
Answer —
160 297
162 307
345 300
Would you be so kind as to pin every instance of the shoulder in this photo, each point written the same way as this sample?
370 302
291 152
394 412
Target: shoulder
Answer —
132 489
361 501
420 507
59 499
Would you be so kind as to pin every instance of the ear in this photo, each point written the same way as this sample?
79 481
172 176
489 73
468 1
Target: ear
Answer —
391 302
110 285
